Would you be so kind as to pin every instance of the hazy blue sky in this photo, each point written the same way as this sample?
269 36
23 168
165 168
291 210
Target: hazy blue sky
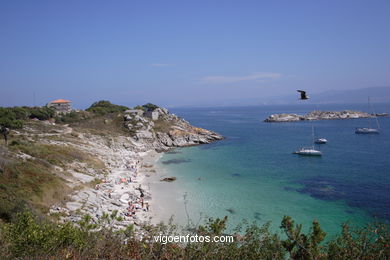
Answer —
188 52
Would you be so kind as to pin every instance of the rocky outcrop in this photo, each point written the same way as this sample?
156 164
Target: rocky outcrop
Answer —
319 115
168 179
167 132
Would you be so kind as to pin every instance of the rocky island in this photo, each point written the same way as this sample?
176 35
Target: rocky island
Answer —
320 115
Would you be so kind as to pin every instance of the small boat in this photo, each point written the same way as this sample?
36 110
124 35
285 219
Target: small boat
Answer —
366 130
320 141
309 151
369 129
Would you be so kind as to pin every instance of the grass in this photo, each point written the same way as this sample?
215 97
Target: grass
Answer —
53 154
162 125
33 183
29 184
103 125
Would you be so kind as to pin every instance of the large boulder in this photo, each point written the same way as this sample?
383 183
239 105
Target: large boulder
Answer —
144 135
165 139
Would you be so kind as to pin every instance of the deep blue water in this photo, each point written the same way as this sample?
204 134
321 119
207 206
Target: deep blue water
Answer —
253 175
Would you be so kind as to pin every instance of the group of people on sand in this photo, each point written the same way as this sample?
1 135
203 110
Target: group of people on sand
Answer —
133 205
138 204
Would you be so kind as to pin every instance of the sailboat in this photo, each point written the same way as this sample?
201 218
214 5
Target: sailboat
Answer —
320 140
309 151
369 129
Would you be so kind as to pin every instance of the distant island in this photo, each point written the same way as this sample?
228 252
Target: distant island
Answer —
321 115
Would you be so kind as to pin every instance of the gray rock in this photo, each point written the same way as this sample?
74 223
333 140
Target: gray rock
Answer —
317 115
165 139
144 135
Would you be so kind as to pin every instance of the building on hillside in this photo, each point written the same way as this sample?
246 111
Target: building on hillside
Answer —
61 105
152 114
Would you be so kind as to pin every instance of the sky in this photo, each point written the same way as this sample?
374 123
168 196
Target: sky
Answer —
179 53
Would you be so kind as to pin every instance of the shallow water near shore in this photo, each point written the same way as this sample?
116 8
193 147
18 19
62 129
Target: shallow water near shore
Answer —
253 174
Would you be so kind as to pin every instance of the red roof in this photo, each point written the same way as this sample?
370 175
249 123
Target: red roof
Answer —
60 101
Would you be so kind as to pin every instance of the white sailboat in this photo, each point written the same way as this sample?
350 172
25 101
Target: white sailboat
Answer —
309 151
320 140
369 129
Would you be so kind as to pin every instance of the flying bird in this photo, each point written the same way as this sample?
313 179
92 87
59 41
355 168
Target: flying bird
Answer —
303 94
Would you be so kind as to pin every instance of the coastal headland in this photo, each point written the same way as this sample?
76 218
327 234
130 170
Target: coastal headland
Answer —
100 160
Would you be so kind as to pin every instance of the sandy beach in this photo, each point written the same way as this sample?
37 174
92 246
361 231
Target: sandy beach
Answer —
166 200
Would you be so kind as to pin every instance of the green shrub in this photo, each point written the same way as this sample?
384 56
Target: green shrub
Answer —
41 113
149 107
104 107
72 117
12 117
30 237
27 236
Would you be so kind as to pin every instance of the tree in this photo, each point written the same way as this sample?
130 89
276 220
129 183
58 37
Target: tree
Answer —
4 131
302 246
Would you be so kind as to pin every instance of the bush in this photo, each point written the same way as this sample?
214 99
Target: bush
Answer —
26 236
41 113
30 237
149 107
72 117
12 117
104 107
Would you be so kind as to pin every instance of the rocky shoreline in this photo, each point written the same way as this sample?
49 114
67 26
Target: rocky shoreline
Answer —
128 161
320 115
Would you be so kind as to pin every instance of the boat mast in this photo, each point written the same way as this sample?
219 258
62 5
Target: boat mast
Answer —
374 114
369 109
312 135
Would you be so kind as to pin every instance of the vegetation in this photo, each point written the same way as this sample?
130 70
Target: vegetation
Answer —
30 237
73 117
162 125
31 183
101 111
104 107
139 107
12 117
149 107
27 184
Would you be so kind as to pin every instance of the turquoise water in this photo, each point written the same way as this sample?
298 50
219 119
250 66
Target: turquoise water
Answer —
253 175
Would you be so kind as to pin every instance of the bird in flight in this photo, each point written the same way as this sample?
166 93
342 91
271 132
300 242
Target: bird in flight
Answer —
303 94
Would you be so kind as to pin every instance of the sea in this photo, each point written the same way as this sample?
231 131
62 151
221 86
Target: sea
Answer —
253 176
